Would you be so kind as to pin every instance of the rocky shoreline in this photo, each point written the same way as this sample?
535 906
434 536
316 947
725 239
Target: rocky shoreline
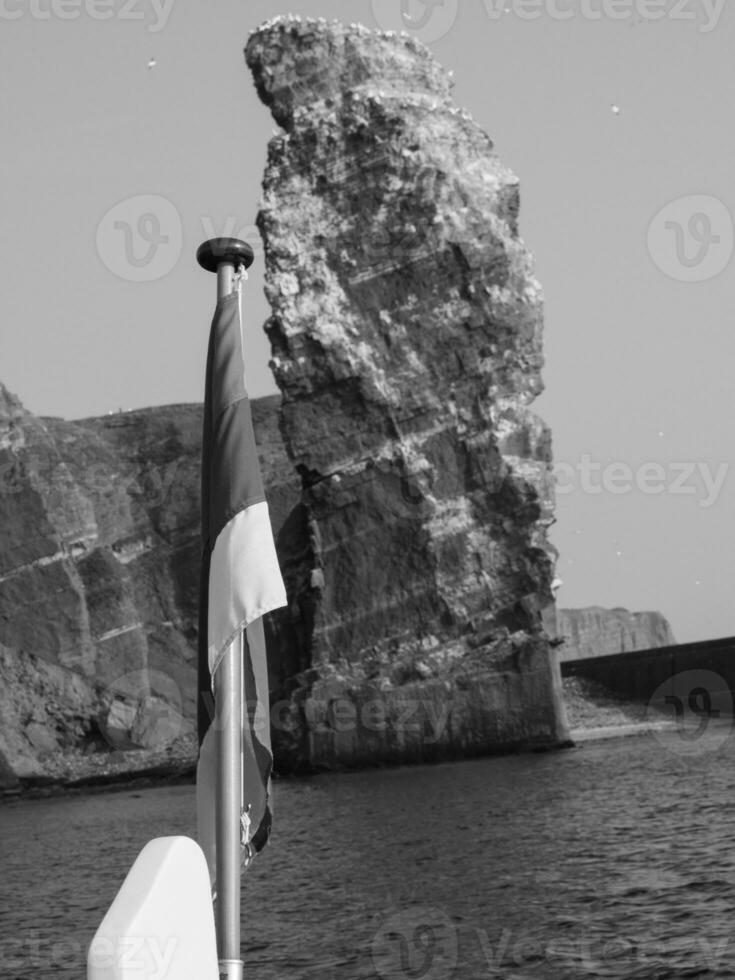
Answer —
596 713
77 771
593 713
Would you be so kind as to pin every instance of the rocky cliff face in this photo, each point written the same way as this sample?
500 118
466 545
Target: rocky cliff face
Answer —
594 632
99 573
99 532
406 333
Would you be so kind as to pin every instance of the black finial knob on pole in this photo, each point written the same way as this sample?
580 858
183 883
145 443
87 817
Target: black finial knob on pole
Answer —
217 250
224 256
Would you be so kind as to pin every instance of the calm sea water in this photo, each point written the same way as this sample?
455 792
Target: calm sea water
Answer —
615 859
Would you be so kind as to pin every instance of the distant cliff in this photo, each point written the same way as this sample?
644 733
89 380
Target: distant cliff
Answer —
594 632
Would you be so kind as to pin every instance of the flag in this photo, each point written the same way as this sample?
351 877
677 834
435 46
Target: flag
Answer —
240 579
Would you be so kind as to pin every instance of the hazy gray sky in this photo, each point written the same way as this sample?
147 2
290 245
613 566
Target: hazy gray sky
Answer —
615 114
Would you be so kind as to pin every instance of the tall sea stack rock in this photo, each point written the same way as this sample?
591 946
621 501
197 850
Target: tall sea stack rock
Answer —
406 335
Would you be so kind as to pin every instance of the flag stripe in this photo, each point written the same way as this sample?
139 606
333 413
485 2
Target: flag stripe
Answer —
244 579
234 475
230 470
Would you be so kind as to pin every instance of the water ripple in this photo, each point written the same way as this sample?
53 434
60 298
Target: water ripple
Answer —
610 861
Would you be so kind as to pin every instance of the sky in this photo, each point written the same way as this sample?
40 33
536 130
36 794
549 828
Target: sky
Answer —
132 133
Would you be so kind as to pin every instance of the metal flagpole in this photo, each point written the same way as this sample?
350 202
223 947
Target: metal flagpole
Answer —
224 256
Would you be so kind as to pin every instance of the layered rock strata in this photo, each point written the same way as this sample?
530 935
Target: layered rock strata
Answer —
99 578
406 336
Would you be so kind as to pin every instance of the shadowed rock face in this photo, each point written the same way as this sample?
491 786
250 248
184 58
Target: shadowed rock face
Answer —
99 576
406 335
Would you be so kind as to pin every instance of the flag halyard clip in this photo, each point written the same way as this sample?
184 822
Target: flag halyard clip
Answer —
245 824
239 277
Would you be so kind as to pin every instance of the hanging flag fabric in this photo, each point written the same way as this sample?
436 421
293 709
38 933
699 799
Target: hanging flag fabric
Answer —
240 578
